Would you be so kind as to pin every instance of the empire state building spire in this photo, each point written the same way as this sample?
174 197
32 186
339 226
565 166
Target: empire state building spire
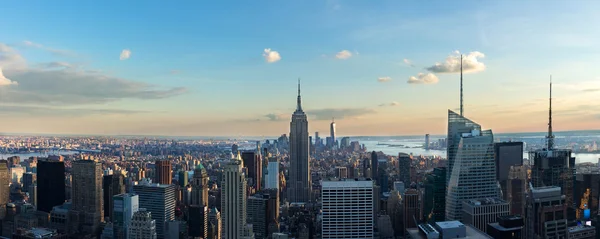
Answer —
299 100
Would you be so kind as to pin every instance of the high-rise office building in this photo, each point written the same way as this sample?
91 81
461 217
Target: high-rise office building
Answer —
198 221
382 176
347 209
547 213
472 168
183 178
332 134
87 212
4 187
163 171
426 142
263 212
272 174
214 218
479 213
587 187
159 199
200 186
366 168
142 226
404 161
374 167
434 200
516 189
299 184
412 208
507 154
112 184
124 206
253 164
233 201
29 179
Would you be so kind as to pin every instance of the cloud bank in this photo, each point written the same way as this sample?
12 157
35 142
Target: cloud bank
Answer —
470 63
423 78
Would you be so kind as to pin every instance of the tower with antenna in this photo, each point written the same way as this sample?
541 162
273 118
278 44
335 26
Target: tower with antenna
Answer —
461 85
550 136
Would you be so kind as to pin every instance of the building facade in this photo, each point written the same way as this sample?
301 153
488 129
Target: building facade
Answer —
87 211
124 206
159 200
164 172
547 213
233 201
142 226
471 166
479 213
347 209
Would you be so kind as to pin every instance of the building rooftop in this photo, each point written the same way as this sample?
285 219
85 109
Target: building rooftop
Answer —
485 201
581 228
449 224
347 183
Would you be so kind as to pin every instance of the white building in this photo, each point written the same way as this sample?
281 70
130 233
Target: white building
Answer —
347 209
233 201
124 206
158 199
142 226
17 174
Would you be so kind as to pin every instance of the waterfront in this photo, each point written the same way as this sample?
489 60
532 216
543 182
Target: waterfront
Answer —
38 154
392 147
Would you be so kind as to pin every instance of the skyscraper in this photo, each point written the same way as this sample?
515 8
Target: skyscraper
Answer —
233 201
434 201
87 212
112 184
163 171
125 205
332 134
142 226
347 209
299 185
553 167
412 208
471 166
507 154
546 213
426 142
263 212
4 187
159 199
404 168
214 218
198 221
374 167
272 174
183 178
253 163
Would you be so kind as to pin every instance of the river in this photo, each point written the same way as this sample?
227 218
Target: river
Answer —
394 150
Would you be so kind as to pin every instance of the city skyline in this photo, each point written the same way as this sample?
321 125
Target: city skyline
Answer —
187 74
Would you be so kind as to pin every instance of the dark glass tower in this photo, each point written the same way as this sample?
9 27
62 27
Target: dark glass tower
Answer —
50 184
299 186
111 185
434 200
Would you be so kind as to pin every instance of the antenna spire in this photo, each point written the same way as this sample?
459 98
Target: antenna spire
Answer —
461 85
299 100
550 137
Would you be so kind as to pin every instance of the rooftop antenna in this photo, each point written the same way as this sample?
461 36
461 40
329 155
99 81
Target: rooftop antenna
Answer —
461 85
299 100
550 137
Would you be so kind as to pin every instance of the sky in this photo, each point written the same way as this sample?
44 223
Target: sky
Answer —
230 68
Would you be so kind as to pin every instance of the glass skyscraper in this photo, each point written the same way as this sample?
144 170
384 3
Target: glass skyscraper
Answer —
472 169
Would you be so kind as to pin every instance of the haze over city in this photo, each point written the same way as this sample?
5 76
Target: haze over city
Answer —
230 69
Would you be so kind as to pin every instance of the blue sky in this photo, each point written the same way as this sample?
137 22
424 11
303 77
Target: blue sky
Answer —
197 67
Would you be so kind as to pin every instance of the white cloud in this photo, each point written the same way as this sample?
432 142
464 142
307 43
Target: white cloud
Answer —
384 79
5 81
452 63
423 78
125 54
408 62
271 56
394 103
343 55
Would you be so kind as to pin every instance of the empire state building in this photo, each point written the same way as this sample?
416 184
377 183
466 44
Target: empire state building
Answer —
299 185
